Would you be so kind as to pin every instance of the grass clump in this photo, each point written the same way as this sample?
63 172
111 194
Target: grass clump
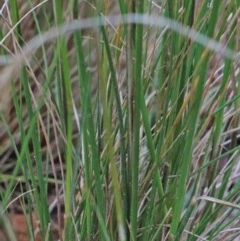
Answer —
119 120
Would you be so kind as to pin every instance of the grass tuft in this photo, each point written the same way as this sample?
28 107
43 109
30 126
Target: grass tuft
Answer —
119 120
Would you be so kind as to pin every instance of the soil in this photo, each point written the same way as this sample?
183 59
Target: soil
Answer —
19 225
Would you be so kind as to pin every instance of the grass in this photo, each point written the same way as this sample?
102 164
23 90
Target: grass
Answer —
125 128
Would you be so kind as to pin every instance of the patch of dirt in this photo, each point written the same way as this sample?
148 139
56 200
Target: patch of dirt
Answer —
20 226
